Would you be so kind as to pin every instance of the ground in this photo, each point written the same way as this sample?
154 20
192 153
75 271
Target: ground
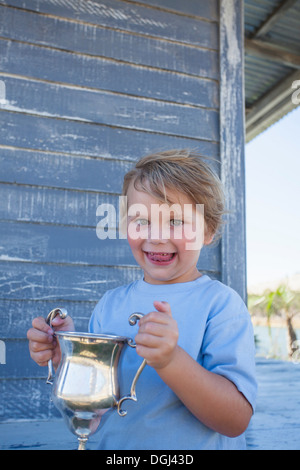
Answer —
276 423
274 426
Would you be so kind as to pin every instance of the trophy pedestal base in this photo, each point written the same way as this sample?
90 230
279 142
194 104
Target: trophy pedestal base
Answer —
82 443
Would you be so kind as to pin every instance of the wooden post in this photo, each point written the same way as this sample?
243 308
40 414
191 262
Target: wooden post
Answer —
232 143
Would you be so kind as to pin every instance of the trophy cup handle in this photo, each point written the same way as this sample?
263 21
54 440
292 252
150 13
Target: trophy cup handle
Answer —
62 312
134 317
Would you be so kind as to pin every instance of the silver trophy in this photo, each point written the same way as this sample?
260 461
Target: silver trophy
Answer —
86 382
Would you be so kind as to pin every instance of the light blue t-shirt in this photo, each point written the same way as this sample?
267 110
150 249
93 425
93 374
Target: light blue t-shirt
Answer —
214 328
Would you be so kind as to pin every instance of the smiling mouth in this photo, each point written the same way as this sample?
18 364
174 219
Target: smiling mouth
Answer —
161 258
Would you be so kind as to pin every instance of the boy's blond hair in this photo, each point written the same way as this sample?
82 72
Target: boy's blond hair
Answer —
183 171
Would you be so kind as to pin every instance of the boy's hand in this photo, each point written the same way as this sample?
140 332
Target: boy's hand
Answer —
157 336
43 345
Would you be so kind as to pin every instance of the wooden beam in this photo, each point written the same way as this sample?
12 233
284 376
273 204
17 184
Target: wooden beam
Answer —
232 143
270 118
274 17
279 93
271 107
272 52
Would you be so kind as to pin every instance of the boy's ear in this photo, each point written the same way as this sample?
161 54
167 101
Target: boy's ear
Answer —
208 236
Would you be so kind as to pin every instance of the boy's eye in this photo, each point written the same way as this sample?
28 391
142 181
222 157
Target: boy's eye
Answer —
176 222
142 222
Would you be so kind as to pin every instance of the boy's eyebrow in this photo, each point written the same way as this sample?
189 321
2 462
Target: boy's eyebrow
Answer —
137 216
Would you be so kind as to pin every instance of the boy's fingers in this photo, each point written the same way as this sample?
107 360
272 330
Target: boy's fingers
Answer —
37 346
39 336
58 323
40 324
42 357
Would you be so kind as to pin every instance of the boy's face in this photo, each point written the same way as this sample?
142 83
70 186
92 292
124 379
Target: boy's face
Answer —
165 240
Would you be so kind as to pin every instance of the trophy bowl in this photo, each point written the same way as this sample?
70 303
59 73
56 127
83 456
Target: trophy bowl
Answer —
86 384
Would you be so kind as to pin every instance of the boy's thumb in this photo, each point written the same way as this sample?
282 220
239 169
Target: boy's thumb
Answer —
61 324
162 306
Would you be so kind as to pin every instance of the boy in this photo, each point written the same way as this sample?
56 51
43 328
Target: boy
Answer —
198 389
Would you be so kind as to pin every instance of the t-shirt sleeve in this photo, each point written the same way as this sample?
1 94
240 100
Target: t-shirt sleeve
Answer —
228 347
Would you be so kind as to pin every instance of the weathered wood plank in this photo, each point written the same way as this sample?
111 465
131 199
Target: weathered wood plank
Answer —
85 38
31 399
65 171
40 98
74 245
59 282
62 171
233 144
18 361
57 206
78 138
203 8
95 72
132 18
56 244
16 315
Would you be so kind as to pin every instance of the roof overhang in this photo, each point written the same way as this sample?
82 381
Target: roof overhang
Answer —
272 62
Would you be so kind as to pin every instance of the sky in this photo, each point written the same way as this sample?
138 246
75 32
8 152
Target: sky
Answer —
273 201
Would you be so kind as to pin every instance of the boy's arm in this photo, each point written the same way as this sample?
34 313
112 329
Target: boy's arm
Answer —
213 399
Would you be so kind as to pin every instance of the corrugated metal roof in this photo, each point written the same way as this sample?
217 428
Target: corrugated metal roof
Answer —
272 61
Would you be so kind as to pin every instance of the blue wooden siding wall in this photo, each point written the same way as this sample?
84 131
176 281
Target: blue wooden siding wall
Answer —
90 86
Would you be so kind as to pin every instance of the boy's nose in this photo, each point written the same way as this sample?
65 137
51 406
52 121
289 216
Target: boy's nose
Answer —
159 233
158 241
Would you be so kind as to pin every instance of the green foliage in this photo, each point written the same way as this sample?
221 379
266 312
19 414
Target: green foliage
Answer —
282 302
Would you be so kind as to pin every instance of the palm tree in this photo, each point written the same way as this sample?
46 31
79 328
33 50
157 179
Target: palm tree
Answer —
286 303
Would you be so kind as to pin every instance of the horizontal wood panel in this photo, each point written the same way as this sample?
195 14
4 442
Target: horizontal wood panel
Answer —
61 283
42 98
208 9
73 245
16 315
55 282
65 171
18 361
94 72
133 18
57 135
26 399
34 204
85 38
55 244
62 171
